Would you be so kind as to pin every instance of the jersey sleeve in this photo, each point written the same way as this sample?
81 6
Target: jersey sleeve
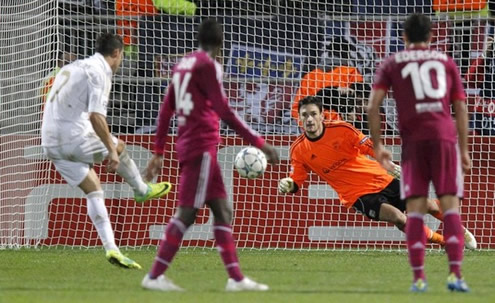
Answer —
382 77
298 171
458 92
166 112
214 92
365 145
97 92
360 141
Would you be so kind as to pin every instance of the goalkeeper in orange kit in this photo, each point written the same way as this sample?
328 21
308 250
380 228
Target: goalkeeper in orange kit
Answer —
337 152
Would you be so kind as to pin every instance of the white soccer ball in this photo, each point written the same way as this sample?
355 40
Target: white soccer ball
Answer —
250 162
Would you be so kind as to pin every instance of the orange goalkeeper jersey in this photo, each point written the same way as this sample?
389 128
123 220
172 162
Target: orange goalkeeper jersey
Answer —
338 156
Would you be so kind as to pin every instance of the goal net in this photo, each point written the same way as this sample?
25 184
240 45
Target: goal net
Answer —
270 49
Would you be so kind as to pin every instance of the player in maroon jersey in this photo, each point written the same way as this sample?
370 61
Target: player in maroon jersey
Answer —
196 96
425 84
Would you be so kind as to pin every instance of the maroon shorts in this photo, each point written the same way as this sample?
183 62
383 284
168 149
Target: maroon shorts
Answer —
200 180
436 161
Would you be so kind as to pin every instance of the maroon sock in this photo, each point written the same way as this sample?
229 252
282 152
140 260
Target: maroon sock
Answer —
168 247
226 247
454 240
416 241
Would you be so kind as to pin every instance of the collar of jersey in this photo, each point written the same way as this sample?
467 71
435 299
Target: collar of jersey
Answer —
104 62
317 138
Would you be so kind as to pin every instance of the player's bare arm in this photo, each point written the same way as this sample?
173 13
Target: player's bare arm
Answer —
154 167
101 128
271 153
383 156
461 117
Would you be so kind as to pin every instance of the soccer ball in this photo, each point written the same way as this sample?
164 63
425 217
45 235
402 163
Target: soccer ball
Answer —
250 162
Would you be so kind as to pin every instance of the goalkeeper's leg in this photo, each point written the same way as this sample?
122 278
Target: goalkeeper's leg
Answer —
435 210
390 213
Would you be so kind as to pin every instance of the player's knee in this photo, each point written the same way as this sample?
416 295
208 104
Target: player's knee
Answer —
393 215
120 146
400 225
222 212
400 221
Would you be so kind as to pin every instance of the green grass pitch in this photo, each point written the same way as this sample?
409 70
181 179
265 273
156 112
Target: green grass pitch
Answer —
73 275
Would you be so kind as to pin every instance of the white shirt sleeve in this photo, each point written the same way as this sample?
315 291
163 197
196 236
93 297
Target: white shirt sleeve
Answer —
98 92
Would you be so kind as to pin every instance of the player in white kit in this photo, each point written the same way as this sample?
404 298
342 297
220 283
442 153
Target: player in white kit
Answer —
75 134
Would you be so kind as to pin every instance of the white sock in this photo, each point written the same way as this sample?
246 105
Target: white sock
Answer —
129 171
99 215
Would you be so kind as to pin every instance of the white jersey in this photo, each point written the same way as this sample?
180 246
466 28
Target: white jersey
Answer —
80 88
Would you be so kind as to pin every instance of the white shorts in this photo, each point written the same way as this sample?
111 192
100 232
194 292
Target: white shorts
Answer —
73 161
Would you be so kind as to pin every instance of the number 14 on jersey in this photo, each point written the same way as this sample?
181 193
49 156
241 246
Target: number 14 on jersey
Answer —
183 100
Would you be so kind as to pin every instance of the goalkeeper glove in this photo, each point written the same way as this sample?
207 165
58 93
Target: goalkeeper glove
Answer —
286 185
396 171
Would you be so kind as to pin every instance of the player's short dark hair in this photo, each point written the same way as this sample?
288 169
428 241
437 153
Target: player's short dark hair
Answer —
210 34
106 43
417 28
310 100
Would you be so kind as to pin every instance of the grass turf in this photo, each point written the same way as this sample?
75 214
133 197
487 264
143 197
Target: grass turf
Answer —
66 275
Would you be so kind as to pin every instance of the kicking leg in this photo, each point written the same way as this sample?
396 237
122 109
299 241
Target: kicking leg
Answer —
129 171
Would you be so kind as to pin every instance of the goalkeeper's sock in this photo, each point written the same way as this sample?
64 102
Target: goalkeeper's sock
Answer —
433 237
99 216
226 248
128 170
438 214
454 243
416 241
168 247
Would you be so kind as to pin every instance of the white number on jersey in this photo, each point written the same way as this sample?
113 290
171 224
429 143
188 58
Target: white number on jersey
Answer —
183 101
66 75
187 63
421 79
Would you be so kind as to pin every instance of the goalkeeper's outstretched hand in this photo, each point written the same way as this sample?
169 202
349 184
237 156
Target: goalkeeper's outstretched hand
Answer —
396 171
286 185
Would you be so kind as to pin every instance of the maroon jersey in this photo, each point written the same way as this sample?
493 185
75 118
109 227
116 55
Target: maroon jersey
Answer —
424 82
197 98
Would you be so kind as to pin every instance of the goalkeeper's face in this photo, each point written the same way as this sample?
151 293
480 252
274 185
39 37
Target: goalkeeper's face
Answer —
312 120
